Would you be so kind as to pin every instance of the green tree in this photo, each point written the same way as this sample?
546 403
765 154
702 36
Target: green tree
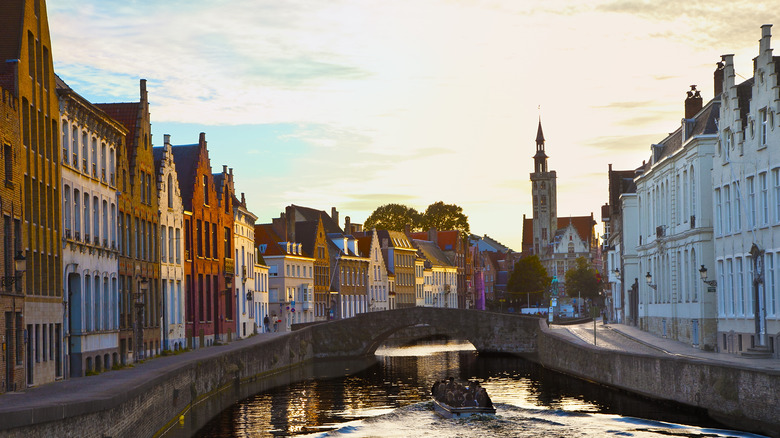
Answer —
445 217
528 276
583 279
393 217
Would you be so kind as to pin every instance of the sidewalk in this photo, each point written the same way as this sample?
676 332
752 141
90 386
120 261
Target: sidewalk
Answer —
106 385
626 338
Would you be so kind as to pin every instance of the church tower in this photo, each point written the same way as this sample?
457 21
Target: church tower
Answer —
543 190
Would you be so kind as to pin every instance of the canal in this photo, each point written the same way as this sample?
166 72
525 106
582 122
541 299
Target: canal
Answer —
389 397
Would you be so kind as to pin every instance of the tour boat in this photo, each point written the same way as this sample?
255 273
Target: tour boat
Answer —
448 411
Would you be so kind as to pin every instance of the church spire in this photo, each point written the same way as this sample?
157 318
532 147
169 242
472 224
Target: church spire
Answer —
540 159
540 135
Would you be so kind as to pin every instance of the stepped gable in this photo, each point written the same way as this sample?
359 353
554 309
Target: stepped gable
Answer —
186 159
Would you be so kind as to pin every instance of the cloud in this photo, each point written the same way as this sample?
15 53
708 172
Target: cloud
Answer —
624 142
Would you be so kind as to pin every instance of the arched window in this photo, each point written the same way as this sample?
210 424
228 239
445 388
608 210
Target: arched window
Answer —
693 192
103 158
95 218
75 147
112 167
84 151
76 214
105 223
113 225
66 208
94 157
65 143
86 217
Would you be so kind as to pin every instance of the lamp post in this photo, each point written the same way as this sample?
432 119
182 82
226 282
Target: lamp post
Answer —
703 275
138 326
649 279
20 265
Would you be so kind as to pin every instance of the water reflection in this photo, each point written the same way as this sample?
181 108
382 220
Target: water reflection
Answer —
391 398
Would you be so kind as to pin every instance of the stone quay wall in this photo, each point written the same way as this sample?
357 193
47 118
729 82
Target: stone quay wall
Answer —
740 397
197 390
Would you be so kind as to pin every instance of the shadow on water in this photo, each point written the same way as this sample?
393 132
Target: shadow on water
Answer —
327 395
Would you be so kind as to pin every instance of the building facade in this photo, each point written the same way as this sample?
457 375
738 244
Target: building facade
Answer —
140 304
244 244
368 242
35 172
171 212
399 255
675 223
746 190
12 294
208 242
90 141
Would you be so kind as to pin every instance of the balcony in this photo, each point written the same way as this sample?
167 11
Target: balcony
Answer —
105 243
96 241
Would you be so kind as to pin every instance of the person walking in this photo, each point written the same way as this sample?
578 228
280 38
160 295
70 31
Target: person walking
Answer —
266 321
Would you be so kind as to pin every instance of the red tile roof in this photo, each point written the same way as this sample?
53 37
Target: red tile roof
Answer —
583 225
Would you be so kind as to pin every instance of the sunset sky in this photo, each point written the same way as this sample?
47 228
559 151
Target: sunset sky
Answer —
355 104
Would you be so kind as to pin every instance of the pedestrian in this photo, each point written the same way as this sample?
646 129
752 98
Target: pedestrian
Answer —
266 321
276 325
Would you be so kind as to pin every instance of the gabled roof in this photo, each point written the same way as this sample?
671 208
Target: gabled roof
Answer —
158 153
583 225
364 245
306 234
265 234
447 240
432 252
219 181
186 159
311 214
127 115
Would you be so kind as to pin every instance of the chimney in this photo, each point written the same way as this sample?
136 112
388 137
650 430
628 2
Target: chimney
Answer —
243 200
334 214
693 102
433 235
224 169
407 229
144 95
166 139
347 225
290 210
202 138
718 78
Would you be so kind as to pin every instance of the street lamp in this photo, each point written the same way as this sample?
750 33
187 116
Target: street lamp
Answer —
703 274
649 279
20 265
617 273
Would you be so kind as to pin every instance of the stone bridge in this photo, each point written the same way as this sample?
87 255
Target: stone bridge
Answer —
364 333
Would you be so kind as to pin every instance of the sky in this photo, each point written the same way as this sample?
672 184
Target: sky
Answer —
358 103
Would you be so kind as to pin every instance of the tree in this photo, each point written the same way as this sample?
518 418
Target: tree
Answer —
393 217
583 279
445 217
528 276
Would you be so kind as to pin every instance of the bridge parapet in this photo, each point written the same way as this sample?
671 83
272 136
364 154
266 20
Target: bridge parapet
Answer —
488 332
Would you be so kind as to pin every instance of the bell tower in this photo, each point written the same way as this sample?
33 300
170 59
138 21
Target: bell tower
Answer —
543 191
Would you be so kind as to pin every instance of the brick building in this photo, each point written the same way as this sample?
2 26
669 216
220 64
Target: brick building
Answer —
12 288
138 221
25 49
208 241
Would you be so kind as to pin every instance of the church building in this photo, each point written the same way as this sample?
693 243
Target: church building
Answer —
557 241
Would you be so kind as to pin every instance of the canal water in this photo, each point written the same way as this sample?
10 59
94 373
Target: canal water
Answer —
390 398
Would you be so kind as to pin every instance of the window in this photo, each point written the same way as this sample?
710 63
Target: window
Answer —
86 217
111 167
693 192
205 190
762 119
95 218
178 245
739 288
76 213
228 238
727 209
776 183
763 200
65 143
199 231
66 208
94 157
103 158
164 233
737 207
169 187
84 151
718 215
751 203
75 147
113 226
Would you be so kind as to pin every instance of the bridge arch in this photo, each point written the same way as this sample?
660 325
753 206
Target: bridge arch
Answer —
488 332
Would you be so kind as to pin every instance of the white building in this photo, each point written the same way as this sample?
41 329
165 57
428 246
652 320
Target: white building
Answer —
378 286
443 275
746 181
90 140
290 278
675 229
244 244
260 299
172 278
